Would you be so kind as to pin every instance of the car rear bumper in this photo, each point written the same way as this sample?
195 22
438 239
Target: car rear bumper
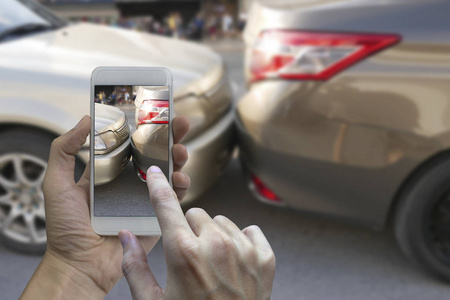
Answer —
351 194
143 162
149 146
108 166
320 164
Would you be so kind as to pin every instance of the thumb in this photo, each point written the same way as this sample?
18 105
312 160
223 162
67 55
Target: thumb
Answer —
143 284
61 162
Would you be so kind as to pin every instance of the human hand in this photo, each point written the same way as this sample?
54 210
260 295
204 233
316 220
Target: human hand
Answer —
206 258
73 248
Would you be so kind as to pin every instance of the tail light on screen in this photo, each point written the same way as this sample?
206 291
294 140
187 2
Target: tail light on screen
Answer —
263 190
142 175
153 112
302 55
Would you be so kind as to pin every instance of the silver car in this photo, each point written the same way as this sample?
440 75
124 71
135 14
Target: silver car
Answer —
112 143
46 65
22 216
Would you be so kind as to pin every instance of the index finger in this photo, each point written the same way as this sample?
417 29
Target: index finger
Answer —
164 200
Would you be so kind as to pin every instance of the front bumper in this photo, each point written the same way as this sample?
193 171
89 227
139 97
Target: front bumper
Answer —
209 154
108 166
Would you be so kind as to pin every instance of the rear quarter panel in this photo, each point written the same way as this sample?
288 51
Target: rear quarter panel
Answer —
352 141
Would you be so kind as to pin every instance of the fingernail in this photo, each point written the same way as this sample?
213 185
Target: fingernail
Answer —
79 123
154 169
124 238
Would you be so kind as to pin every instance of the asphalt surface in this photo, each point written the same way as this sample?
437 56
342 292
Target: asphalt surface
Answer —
316 258
126 195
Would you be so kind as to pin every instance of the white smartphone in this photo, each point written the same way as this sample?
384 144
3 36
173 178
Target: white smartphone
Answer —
131 113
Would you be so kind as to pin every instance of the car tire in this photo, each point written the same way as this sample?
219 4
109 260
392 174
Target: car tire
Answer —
23 160
422 219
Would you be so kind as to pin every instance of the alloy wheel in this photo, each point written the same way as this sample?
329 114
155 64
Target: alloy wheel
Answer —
22 212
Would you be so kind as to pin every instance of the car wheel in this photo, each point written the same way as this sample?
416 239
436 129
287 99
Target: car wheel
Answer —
422 220
23 162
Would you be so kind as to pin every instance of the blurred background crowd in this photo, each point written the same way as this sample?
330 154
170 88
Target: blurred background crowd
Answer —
192 19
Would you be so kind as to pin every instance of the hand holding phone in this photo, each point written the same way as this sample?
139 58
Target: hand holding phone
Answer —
74 250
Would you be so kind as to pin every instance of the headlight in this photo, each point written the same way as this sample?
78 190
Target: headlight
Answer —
105 141
99 143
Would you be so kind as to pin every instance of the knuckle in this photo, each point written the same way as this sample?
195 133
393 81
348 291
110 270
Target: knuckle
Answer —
268 262
249 254
181 154
194 211
163 194
222 243
56 143
253 228
130 265
187 250
220 218
187 180
180 195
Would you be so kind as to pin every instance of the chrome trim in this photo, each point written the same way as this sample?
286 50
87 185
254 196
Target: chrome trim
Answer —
123 132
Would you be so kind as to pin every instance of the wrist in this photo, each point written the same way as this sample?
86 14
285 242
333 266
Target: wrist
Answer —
56 279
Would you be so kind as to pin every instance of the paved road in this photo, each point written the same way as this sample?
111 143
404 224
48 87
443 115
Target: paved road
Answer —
316 258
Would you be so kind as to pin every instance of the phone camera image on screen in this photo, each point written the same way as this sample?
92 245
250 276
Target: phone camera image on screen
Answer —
131 134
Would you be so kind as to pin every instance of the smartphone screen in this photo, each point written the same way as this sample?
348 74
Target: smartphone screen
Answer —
131 134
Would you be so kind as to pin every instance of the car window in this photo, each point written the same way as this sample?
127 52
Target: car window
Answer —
15 13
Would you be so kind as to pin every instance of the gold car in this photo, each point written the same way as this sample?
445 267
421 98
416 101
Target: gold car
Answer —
347 115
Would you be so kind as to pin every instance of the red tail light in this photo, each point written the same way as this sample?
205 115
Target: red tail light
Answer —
304 55
153 112
263 190
142 175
